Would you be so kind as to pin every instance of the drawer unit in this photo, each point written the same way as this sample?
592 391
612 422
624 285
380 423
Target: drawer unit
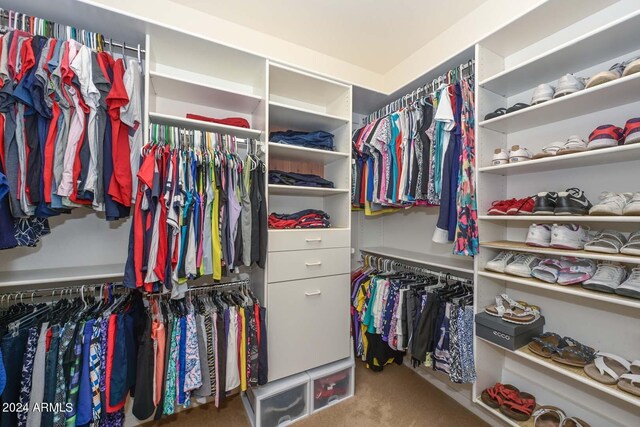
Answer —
331 384
308 324
294 265
278 403
294 240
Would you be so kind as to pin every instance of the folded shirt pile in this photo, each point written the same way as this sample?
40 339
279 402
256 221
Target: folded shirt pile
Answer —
320 140
299 179
238 122
308 218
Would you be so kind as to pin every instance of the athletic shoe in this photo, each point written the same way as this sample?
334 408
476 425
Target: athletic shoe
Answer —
577 270
569 84
539 235
549 269
500 207
607 278
542 93
500 262
632 131
500 157
519 154
569 236
572 202
611 204
606 136
545 203
522 265
631 287
522 207
615 72
633 205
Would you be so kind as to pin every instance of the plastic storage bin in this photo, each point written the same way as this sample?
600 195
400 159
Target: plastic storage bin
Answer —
331 384
278 403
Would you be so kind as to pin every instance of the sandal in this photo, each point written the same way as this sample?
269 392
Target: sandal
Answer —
607 368
574 422
574 354
574 144
517 107
549 151
521 408
513 311
548 416
631 382
547 344
632 246
498 394
607 241
497 113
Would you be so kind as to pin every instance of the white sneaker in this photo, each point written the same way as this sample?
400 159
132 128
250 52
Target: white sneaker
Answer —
633 205
522 265
500 157
612 204
500 262
569 236
539 235
542 93
569 84
631 287
607 278
519 154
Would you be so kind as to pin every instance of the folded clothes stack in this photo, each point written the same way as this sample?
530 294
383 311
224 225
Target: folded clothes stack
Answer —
320 140
308 218
238 122
299 179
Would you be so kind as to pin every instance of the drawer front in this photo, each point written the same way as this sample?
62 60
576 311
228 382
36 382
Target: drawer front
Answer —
308 324
294 265
284 407
294 240
332 388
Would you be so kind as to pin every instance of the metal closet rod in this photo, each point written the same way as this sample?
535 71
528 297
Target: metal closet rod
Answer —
395 264
21 18
63 290
215 286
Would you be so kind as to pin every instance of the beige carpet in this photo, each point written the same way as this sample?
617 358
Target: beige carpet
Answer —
395 397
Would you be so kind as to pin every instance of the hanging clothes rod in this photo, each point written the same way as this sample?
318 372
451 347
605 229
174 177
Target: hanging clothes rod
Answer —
216 286
450 77
389 264
20 21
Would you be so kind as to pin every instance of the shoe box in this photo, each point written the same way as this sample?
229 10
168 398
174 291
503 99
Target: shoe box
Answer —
505 334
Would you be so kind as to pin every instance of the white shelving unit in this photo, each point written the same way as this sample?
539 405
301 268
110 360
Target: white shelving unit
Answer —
510 67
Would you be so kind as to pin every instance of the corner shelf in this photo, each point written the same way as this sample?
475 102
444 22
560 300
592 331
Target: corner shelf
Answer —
292 152
61 275
611 94
294 190
287 116
506 245
561 218
577 374
166 119
575 290
459 264
622 153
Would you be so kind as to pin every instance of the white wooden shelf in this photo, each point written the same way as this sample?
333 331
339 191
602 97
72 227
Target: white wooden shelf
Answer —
575 290
506 245
292 152
165 119
282 116
191 91
61 275
600 45
611 94
561 218
576 374
623 153
294 190
461 264
302 230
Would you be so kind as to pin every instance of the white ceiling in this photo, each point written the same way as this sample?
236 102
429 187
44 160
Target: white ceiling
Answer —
373 34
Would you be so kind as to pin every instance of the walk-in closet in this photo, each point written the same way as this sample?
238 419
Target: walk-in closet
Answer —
347 213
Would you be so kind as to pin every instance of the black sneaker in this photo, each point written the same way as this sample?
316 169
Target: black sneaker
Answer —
545 203
572 202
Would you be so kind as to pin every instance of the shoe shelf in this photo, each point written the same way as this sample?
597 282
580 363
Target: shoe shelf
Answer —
623 153
504 418
600 45
561 218
506 245
575 290
294 190
284 116
607 95
460 264
302 154
166 119
574 373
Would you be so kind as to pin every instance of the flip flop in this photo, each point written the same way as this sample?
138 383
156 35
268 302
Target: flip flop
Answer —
630 383
548 416
520 409
607 241
495 396
517 107
607 368
497 113
547 344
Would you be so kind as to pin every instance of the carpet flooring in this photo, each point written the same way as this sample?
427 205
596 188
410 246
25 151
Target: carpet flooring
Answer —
395 397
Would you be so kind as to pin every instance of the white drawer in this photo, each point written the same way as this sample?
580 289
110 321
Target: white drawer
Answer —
331 384
308 324
293 265
278 403
293 240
